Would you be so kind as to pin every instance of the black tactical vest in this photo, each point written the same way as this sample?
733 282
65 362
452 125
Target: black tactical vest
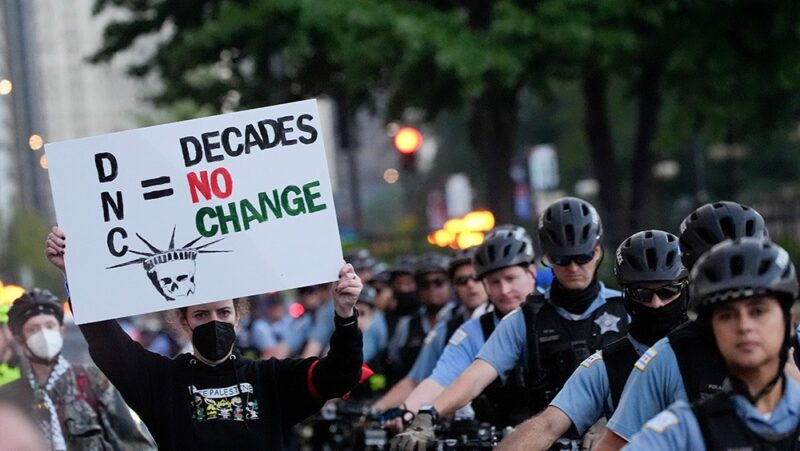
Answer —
619 358
556 345
455 321
499 403
722 429
699 361
412 346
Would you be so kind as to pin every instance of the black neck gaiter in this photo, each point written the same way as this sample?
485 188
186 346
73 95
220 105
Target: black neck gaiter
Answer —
407 302
648 325
574 301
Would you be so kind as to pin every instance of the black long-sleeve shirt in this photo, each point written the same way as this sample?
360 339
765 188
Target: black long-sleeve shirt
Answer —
240 404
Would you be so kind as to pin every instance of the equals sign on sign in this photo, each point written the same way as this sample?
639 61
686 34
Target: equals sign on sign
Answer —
157 193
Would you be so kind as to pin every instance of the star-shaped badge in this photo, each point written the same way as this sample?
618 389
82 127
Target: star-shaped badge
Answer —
607 323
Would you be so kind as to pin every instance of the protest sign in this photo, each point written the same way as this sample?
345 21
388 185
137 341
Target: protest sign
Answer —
195 211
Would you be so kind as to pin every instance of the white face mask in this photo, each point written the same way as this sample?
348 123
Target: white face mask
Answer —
45 344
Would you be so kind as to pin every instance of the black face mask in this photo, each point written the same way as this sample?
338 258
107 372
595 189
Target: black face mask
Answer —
407 302
648 325
214 340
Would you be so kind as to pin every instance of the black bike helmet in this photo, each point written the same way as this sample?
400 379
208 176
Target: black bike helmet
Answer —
740 268
404 264
713 223
649 256
462 257
30 304
368 296
431 262
502 250
569 226
361 259
517 231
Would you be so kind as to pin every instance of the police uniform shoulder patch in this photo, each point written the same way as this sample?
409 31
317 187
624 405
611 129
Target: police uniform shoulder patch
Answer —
645 359
662 421
429 338
592 359
457 337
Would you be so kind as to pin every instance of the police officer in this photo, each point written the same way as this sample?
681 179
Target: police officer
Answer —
742 291
685 365
549 335
471 296
435 292
503 265
654 286
404 299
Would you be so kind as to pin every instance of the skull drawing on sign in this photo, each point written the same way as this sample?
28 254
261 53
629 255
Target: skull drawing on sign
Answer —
172 272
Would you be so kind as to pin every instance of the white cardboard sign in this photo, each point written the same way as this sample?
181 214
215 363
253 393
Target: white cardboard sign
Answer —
195 211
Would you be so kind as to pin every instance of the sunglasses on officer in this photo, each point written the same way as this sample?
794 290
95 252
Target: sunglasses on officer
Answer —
565 260
645 295
463 280
426 283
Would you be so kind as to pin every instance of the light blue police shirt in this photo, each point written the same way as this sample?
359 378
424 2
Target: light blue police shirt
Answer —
323 324
677 427
655 383
430 353
504 349
298 332
460 351
376 336
586 396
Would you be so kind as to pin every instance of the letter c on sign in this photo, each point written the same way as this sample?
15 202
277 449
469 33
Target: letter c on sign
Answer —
110 242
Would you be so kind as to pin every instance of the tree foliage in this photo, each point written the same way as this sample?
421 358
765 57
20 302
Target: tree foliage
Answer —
730 68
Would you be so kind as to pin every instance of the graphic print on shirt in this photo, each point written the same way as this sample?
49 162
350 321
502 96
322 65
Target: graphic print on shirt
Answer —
225 403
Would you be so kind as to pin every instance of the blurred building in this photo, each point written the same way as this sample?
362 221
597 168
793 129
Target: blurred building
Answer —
57 94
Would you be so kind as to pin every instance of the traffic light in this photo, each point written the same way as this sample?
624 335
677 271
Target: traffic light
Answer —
407 141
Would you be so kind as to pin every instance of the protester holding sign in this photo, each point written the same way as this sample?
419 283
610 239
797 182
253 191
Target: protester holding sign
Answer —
214 398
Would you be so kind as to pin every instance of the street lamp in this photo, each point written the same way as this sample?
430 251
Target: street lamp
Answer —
5 87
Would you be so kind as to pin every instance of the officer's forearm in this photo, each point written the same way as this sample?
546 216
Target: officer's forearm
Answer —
537 433
466 388
395 396
424 394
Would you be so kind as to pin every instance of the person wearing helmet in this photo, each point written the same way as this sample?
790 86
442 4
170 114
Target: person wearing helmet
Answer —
472 300
319 335
742 291
372 325
508 277
75 405
435 293
363 263
654 289
9 361
684 365
403 300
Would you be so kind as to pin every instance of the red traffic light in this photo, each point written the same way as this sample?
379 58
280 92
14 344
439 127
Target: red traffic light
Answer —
407 140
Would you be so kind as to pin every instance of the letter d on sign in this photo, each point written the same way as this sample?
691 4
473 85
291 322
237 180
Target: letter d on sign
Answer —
105 172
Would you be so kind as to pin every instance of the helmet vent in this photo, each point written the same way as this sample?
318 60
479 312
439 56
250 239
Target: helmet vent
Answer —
670 259
548 215
705 235
737 265
786 272
627 243
693 217
506 250
711 275
491 251
670 238
585 233
566 206
648 234
652 259
634 262
763 267
749 228
728 229
585 210
569 233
